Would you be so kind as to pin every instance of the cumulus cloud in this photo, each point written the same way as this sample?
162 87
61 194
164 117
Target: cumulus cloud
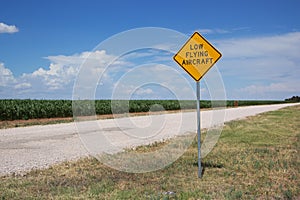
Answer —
4 28
252 68
261 65
22 86
63 70
6 76
54 81
56 77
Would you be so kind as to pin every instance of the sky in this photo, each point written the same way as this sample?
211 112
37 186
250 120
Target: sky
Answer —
46 45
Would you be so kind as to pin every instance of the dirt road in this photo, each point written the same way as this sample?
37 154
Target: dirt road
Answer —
22 149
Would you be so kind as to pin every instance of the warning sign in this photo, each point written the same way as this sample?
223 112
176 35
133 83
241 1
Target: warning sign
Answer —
197 56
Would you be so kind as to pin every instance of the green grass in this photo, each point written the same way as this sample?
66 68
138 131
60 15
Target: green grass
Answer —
257 158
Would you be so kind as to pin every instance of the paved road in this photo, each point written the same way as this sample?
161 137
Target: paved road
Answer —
22 149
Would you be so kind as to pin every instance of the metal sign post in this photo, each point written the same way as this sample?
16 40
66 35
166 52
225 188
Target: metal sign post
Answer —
199 129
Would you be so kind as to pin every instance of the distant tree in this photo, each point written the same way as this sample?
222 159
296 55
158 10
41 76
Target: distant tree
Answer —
293 99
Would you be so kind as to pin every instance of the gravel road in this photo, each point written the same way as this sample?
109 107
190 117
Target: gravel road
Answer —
26 148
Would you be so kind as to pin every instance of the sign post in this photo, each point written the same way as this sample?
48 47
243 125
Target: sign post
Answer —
198 129
196 57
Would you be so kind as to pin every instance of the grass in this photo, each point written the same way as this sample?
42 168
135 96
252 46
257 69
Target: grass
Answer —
257 158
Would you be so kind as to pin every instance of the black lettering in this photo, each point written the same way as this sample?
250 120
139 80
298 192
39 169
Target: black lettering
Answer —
196 46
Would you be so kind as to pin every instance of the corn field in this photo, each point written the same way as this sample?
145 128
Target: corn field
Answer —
15 109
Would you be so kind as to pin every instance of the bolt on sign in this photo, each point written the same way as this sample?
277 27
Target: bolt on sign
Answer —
197 56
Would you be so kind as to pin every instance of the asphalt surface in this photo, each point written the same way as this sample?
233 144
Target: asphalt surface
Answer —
26 148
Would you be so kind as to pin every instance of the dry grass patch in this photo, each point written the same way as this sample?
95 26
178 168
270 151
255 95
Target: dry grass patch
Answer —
257 158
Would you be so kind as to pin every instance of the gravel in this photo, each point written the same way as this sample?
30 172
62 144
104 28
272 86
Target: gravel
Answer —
35 147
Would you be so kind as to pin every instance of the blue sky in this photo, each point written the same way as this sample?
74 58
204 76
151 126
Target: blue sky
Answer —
43 42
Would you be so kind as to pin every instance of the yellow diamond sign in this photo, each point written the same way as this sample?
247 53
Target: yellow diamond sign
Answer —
197 56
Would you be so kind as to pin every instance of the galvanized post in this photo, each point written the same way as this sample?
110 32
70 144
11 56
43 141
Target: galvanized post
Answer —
198 129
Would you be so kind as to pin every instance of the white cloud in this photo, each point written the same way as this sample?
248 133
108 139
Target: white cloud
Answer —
22 86
271 88
63 70
153 81
55 80
212 31
279 46
207 31
56 77
4 28
6 76
280 90
264 66
252 68
142 91
87 56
